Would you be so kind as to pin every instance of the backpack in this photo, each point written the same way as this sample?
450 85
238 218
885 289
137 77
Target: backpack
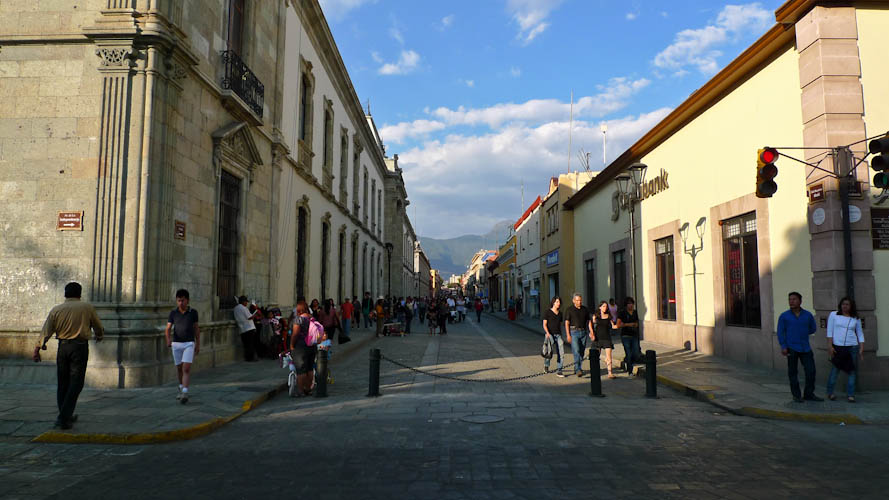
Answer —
314 333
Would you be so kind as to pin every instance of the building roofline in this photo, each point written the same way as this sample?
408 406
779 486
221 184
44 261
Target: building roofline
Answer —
742 67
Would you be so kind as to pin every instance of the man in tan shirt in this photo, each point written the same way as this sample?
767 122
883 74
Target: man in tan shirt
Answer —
71 322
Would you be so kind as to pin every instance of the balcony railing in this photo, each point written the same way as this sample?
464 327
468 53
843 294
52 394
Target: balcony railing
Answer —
239 79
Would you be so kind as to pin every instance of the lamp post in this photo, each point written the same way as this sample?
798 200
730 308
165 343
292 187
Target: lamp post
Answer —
629 185
700 227
604 128
389 248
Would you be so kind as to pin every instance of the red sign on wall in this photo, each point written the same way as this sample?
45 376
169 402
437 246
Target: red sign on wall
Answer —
70 221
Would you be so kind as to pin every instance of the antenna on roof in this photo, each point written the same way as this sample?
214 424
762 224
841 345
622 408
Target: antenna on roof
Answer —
368 107
584 158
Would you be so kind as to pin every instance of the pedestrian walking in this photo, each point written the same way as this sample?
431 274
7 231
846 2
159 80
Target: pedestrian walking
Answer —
602 340
244 318
844 346
347 311
479 306
578 328
421 310
408 314
185 341
379 315
628 322
552 328
71 322
366 307
329 318
444 316
315 309
432 317
303 355
461 309
794 327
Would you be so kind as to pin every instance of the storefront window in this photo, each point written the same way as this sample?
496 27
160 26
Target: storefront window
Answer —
589 269
666 279
741 272
619 279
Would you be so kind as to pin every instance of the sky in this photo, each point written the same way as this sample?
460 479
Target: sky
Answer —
475 96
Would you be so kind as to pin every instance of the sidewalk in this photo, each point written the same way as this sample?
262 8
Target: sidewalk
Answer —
743 389
152 415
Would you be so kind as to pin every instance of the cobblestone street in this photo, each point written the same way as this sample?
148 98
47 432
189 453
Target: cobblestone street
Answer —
415 441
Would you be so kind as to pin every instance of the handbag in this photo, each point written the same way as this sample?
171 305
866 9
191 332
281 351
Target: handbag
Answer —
842 358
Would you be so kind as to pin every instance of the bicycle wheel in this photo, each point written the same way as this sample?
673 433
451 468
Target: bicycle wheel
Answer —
292 388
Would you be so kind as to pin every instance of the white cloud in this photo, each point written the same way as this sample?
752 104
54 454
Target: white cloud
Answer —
446 22
395 33
407 62
611 97
376 57
337 9
515 72
469 83
698 47
481 174
631 16
531 16
398 133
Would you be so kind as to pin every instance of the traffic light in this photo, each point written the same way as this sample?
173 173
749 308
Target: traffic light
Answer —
766 171
880 163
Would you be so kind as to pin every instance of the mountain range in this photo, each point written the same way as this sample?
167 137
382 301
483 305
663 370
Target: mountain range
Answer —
452 255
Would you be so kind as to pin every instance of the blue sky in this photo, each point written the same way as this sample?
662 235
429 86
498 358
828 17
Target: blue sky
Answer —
474 96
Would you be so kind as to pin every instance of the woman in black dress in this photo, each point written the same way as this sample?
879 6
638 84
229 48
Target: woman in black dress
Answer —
602 324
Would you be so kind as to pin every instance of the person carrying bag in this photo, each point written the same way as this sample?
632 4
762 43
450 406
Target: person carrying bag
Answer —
844 340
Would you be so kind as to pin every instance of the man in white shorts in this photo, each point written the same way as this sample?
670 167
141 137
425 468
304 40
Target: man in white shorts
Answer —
186 340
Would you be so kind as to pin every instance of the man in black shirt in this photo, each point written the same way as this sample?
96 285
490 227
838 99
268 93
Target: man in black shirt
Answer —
579 327
186 340
628 322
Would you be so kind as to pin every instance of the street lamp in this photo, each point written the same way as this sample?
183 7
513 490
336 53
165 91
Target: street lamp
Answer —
700 228
604 128
629 185
389 248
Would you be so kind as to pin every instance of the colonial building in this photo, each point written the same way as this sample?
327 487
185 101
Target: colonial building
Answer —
421 268
715 263
151 145
527 230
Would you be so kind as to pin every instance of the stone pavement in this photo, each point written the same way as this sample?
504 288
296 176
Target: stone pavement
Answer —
152 414
744 389
423 438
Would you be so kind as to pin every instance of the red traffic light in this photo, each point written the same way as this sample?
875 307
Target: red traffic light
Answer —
769 155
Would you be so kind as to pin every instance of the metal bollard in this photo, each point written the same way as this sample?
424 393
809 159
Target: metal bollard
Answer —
595 375
373 389
650 374
321 375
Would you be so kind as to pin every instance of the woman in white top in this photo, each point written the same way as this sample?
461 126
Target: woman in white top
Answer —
844 340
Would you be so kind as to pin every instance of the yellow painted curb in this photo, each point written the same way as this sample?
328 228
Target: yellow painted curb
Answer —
749 411
820 418
185 434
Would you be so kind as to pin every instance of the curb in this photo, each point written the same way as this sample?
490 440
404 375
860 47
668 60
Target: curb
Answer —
754 412
514 323
185 434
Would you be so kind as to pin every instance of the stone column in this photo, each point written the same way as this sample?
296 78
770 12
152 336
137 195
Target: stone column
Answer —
832 110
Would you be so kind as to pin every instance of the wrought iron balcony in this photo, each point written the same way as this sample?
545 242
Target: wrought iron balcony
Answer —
239 79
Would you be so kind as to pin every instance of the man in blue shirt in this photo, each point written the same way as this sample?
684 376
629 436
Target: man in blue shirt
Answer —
794 327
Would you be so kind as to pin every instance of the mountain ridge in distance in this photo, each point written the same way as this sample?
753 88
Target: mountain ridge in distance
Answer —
451 255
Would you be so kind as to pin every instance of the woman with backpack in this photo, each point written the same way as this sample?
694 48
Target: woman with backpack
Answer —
303 346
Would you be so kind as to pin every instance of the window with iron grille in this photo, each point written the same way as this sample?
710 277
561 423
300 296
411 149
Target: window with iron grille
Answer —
665 270
619 263
589 269
227 250
741 260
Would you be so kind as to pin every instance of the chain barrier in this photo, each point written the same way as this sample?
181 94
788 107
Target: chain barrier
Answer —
461 379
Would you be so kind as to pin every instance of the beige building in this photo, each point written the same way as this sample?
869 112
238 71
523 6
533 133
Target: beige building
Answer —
557 239
219 148
817 78
421 268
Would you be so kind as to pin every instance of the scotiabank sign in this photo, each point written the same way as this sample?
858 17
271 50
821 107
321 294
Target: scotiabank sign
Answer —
655 186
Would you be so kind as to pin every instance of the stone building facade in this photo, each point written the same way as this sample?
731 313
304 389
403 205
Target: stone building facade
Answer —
212 145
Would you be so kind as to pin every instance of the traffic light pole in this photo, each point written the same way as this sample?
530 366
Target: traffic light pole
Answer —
844 166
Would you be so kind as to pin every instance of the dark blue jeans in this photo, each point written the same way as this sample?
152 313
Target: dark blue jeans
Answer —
71 362
580 340
632 351
808 361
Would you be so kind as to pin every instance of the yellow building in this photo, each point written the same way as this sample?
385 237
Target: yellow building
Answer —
556 234
505 274
817 78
